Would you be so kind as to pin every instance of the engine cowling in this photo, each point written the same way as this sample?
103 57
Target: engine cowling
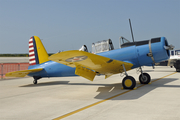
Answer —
153 51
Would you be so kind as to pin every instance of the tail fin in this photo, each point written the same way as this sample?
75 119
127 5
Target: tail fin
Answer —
37 52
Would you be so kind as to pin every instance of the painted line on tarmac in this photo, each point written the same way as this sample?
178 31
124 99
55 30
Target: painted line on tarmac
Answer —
86 107
157 79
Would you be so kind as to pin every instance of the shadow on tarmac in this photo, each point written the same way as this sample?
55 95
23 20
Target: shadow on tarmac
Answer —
109 90
62 83
46 84
114 89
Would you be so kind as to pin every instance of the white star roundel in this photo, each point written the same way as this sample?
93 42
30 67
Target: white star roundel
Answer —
76 59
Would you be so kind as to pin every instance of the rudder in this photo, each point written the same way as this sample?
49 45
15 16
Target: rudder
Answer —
37 52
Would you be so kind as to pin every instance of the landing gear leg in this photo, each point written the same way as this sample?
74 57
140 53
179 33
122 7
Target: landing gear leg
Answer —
144 78
128 81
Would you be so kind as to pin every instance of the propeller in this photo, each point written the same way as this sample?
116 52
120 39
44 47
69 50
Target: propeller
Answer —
169 47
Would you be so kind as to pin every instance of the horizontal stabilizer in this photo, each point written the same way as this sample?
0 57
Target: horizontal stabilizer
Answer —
22 73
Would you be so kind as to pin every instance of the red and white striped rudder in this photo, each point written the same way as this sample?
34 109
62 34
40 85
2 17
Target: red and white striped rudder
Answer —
32 60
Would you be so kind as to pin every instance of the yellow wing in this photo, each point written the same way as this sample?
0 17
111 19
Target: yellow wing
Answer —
88 64
22 73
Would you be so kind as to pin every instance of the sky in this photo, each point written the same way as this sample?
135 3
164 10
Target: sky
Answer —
68 24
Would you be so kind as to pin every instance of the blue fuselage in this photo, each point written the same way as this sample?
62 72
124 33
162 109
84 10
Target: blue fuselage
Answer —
135 54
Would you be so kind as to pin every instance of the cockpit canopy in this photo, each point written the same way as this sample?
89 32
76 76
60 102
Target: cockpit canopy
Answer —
123 41
102 46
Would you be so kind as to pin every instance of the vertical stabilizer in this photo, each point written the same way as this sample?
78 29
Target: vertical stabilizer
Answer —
37 52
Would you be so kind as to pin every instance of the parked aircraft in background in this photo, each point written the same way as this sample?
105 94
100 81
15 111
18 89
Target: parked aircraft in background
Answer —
105 60
174 60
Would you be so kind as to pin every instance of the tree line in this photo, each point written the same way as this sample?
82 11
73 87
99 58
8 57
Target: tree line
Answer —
18 55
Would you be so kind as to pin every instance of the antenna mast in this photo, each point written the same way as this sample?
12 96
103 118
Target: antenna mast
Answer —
131 30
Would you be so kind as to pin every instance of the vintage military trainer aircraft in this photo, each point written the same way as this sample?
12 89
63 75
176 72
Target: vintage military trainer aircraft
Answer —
105 60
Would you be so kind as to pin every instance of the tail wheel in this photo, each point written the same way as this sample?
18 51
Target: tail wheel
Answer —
36 78
35 81
145 78
128 82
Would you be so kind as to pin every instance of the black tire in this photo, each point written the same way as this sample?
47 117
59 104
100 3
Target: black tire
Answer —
35 81
36 78
146 80
128 82
177 65
177 70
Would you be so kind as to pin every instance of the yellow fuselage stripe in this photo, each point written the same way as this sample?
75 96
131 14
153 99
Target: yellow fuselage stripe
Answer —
86 107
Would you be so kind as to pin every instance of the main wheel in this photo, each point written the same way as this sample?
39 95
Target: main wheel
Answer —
128 82
145 79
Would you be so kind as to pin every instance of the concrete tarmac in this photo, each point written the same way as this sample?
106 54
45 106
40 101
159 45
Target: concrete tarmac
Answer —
75 98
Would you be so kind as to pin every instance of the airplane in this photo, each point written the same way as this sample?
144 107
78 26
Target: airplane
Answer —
104 61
